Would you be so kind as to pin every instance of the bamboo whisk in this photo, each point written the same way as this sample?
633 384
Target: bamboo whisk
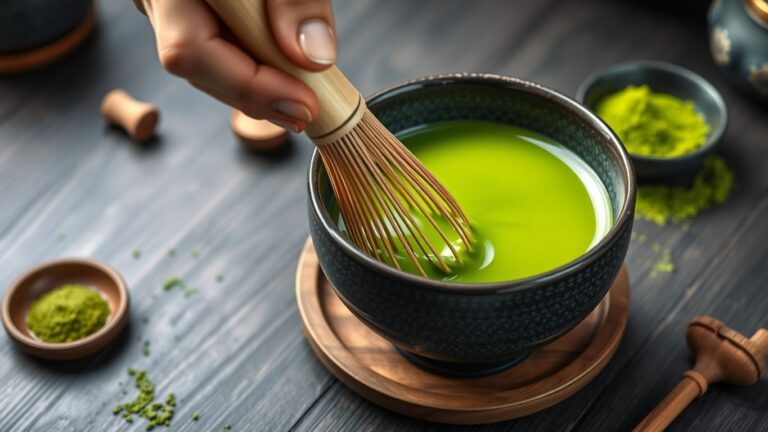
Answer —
378 182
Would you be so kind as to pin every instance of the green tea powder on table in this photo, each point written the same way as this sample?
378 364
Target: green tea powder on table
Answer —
653 124
665 263
144 405
712 185
67 313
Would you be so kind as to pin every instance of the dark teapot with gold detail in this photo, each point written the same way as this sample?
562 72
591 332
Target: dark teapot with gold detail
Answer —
738 38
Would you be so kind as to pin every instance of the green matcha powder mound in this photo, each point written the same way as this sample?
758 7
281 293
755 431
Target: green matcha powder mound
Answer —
67 313
653 124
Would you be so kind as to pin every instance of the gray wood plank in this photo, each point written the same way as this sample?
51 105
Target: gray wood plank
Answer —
389 42
732 290
194 190
578 38
71 186
240 357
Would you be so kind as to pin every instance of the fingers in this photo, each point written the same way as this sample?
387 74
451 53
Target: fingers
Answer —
190 45
304 30
139 4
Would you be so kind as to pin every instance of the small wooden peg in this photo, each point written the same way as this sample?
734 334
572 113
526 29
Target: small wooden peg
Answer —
138 119
257 135
722 355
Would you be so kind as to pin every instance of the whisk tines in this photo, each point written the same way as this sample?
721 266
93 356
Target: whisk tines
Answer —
380 187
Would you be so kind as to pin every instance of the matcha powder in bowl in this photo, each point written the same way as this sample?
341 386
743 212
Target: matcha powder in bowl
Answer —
68 313
653 124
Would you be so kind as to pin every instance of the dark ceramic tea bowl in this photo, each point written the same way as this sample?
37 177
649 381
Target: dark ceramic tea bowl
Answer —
665 78
473 329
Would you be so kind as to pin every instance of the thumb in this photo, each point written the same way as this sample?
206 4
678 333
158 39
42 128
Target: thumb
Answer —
304 30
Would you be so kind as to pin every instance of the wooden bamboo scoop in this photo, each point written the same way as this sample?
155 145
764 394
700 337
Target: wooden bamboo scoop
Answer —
722 355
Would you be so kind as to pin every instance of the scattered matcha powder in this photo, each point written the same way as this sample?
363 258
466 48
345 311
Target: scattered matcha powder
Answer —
712 185
145 350
176 281
219 278
156 413
653 124
67 313
195 416
638 237
195 254
171 252
172 282
664 264
136 254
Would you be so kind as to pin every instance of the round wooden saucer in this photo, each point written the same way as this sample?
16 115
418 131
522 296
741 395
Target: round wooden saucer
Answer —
38 57
371 367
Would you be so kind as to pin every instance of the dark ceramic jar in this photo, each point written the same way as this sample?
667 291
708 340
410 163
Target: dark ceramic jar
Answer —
450 326
738 38
28 24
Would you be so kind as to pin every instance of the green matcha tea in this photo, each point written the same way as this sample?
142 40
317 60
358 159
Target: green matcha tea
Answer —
533 204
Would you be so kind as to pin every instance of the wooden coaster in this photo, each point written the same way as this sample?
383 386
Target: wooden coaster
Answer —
370 366
38 57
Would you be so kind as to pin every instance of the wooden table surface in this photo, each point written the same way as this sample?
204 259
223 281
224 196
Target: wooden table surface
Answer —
235 352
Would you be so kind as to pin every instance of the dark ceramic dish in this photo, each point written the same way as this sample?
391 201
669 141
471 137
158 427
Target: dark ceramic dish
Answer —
665 78
471 329
28 24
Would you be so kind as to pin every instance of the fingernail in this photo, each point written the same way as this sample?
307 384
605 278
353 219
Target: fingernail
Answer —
316 40
293 109
289 126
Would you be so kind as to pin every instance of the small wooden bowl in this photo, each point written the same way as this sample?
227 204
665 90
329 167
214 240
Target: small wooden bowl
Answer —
53 274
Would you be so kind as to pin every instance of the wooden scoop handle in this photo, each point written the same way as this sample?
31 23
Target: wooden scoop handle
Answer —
341 105
138 119
722 355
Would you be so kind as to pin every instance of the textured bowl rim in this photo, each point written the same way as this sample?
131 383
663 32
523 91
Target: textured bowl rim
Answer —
713 138
625 213
118 317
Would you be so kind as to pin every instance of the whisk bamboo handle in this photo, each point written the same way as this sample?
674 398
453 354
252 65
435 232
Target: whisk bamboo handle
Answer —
722 355
341 105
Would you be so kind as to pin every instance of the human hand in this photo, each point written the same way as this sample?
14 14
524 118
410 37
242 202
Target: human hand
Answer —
192 43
